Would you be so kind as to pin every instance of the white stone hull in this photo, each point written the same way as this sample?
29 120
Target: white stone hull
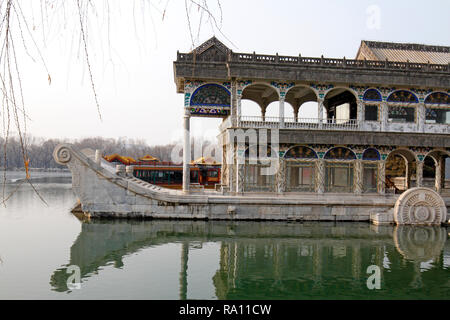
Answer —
104 193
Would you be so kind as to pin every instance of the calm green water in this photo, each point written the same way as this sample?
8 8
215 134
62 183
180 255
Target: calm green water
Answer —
39 244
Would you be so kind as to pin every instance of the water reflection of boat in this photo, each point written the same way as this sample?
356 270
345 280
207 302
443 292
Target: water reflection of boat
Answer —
422 246
420 243
259 260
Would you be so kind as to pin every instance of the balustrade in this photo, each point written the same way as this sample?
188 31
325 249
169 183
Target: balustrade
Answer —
301 123
328 62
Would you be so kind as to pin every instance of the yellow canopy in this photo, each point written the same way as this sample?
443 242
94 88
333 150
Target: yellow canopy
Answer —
203 160
118 157
148 157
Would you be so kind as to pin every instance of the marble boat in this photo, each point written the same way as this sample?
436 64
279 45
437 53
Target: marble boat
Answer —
378 150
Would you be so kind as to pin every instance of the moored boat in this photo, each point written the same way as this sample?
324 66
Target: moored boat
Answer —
378 150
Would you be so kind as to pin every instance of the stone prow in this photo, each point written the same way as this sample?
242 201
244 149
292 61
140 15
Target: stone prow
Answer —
62 154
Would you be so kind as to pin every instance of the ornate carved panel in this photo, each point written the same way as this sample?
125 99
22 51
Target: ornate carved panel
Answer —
420 206
403 96
438 98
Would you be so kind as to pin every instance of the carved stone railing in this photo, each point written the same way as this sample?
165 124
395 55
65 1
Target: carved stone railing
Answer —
301 123
258 122
253 58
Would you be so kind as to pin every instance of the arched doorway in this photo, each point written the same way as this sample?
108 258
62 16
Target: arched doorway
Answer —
370 159
400 167
297 96
262 94
339 170
255 179
435 170
300 168
341 106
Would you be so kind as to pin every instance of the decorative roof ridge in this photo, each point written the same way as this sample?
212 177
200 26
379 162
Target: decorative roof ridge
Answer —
208 44
406 46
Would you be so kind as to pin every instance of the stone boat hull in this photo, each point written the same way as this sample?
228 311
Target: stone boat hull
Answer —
103 192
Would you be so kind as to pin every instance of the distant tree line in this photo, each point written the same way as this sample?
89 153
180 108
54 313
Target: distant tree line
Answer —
40 151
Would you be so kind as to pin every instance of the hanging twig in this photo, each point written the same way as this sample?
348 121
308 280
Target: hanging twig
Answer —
83 36
17 27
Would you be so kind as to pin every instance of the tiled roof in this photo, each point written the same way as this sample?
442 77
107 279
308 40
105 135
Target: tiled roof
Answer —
418 53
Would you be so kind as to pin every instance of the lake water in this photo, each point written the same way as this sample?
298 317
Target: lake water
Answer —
42 246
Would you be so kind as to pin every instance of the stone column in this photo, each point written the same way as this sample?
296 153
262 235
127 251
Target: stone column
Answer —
281 176
408 175
240 179
129 170
224 168
98 156
320 180
281 112
233 111
360 112
240 167
443 172
439 174
186 152
239 106
421 115
358 183
320 112
419 174
263 113
296 113
231 163
381 177
384 116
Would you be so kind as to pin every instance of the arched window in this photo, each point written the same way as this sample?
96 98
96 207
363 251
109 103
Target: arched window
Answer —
438 98
437 108
372 95
371 154
402 96
210 100
300 152
300 166
399 112
340 153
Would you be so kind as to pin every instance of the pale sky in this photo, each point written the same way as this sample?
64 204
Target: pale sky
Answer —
133 68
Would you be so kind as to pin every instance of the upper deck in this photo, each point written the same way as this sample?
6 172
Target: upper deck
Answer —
378 95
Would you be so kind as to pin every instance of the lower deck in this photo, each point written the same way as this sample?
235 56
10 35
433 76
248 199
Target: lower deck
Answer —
107 191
